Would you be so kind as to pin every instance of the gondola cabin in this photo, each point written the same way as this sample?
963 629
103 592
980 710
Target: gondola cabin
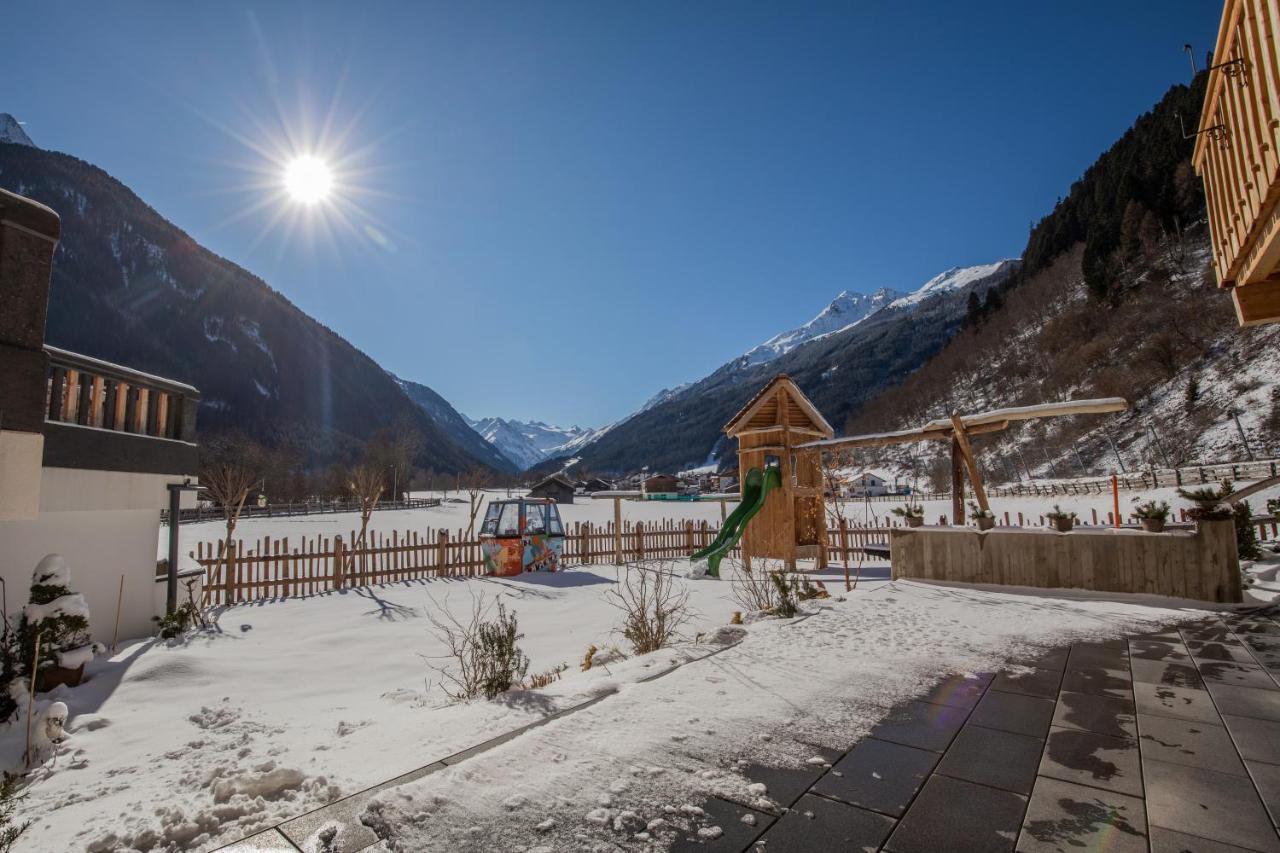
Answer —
522 535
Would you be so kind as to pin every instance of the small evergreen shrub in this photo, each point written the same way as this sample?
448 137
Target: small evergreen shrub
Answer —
57 615
1246 534
503 664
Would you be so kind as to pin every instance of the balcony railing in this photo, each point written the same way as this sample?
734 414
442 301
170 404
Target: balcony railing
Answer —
1236 155
95 393
105 416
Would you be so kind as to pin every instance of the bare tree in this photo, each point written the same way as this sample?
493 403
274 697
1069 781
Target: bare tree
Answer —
367 483
475 480
833 465
228 480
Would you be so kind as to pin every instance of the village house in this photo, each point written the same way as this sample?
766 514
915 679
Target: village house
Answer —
661 484
557 487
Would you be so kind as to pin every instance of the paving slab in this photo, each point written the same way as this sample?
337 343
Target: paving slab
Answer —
1247 701
1063 817
1099 682
336 828
1104 715
821 824
1093 656
785 784
1087 758
1267 779
1219 650
1173 650
1169 673
951 814
1035 682
1238 675
1167 841
1257 740
1217 806
958 691
1047 659
1000 759
1189 742
1161 700
1013 712
923 725
879 776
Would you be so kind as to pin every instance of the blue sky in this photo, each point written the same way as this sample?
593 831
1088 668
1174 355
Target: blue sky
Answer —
551 210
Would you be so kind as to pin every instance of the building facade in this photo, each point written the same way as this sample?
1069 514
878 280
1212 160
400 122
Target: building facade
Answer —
87 448
1236 155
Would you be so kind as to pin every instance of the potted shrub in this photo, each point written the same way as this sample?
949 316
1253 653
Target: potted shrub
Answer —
1208 501
1063 521
985 518
913 514
1273 507
1152 515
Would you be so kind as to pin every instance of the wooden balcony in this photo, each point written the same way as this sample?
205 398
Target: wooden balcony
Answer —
104 416
1236 156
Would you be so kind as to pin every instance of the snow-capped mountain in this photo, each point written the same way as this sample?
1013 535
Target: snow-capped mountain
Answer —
11 131
845 310
526 443
956 278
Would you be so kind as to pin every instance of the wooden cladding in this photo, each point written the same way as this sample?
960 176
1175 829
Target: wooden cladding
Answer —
81 392
1238 156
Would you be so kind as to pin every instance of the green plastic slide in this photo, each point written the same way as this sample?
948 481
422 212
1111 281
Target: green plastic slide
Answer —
754 492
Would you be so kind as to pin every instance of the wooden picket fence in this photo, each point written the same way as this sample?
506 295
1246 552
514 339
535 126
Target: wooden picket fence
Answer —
277 568
269 568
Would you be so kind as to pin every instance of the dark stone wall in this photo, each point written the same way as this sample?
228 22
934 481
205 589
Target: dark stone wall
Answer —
28 235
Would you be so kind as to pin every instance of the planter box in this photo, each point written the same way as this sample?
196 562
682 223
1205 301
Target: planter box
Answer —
1200 565
51 676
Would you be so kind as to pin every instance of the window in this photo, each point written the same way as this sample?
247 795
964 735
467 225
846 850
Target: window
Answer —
554 527
509 522
490 525
535 518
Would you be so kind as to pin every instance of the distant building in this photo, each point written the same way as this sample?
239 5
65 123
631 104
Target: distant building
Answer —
1237 154
557 487
595 484
661 483
869 484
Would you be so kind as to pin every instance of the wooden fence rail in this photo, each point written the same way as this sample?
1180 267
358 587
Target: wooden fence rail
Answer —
279 568
212 513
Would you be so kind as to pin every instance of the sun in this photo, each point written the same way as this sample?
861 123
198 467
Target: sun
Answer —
308 179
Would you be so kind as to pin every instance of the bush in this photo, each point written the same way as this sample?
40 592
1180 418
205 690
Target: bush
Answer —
1152 510
787 589
908 511
485 653
1208 501
57 615
1057 513
654 608
1246 535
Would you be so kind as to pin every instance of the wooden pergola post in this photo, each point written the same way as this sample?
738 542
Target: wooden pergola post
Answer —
960 440
957 483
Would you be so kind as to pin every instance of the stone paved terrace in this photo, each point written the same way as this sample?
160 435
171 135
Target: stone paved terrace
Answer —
1160 742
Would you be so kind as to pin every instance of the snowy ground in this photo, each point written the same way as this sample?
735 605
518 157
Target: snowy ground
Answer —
289 704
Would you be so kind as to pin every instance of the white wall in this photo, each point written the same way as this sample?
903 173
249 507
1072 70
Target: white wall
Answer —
105 524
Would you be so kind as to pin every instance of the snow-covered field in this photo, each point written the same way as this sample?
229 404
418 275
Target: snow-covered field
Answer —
287 705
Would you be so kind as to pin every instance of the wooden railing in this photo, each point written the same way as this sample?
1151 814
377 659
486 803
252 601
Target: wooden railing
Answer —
205 512
88 392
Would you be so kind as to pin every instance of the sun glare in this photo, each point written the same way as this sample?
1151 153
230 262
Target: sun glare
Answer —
308 179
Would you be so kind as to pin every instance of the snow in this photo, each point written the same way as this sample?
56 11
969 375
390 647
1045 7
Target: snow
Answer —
791 686
844 312
72 604
52 570
11 131
526 443
286 705
75 658
956 278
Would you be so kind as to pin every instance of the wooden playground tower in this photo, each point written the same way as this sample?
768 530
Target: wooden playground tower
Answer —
770 428
781 426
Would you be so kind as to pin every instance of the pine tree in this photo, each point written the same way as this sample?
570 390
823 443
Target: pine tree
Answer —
57 615
973 310
1193 394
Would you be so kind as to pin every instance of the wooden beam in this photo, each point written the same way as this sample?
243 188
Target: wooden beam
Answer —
901 437
970 461
957 483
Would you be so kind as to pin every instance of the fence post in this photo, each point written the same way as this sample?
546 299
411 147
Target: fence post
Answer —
229 582
617 532
639 528
337 562
688 536
442 551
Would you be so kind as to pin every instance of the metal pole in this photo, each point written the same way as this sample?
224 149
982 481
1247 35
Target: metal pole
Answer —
171 582
1248 452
